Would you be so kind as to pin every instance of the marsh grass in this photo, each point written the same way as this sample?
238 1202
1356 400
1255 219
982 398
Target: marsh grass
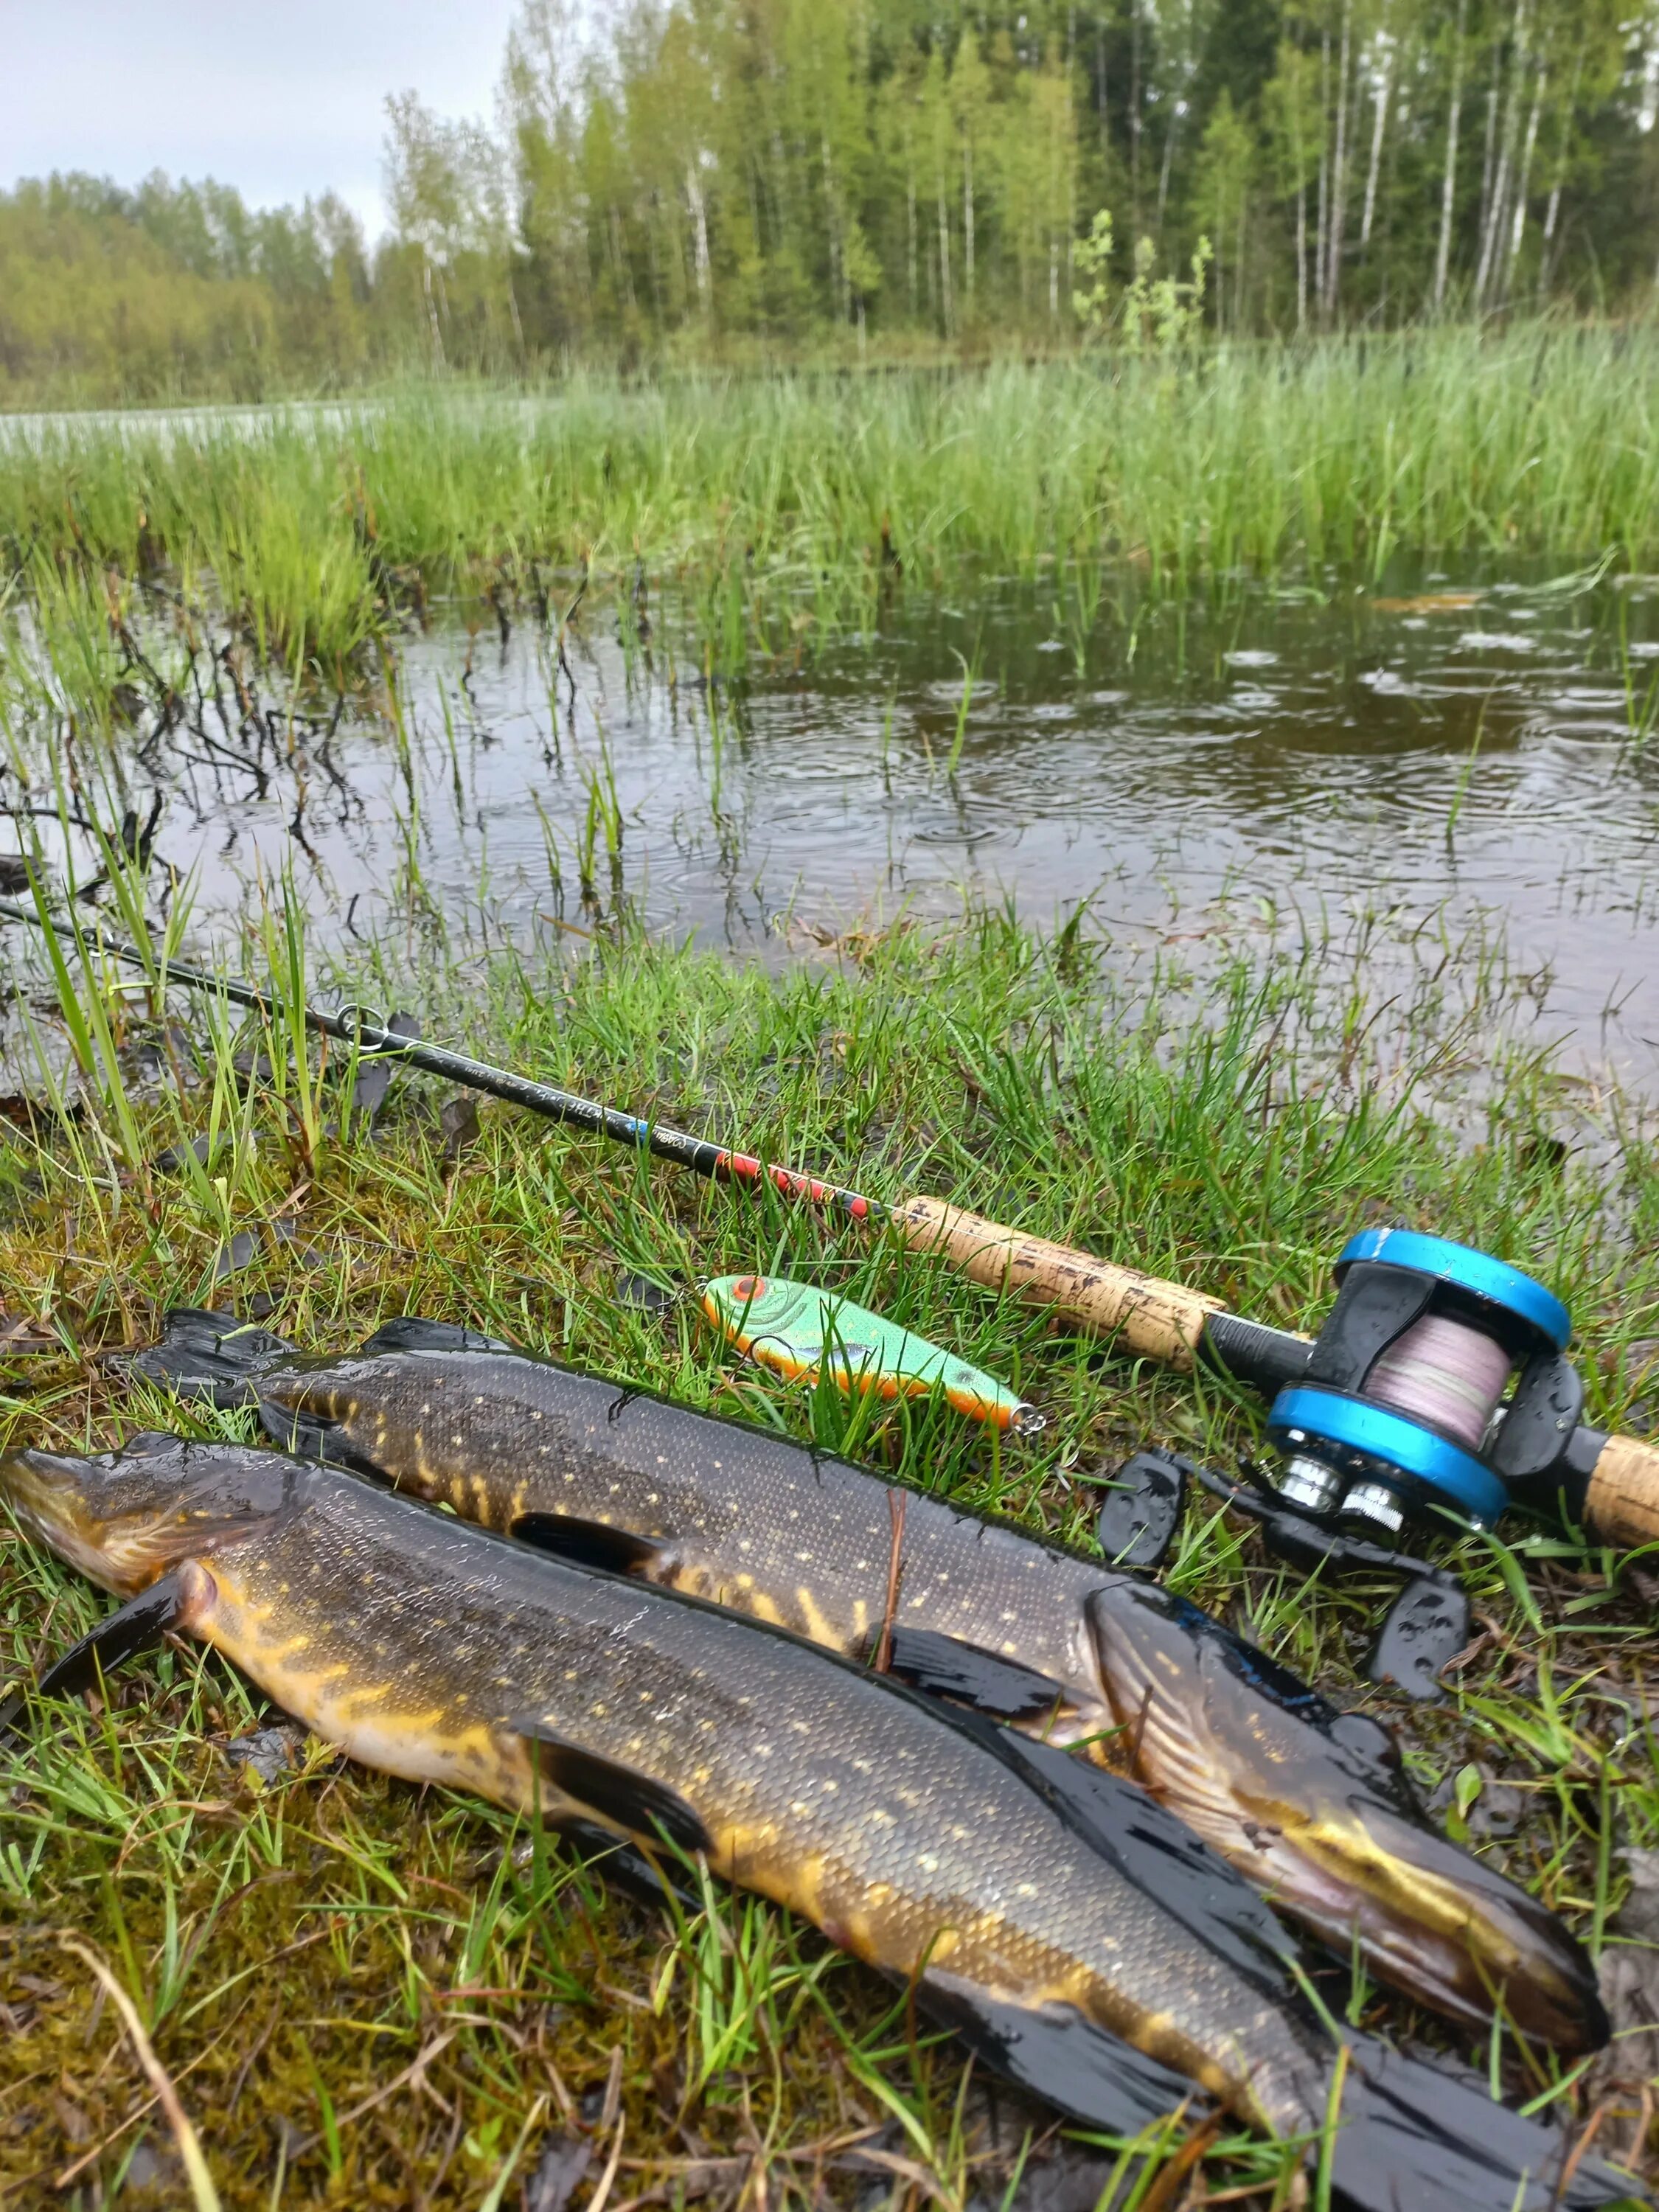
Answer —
370 1994
782 508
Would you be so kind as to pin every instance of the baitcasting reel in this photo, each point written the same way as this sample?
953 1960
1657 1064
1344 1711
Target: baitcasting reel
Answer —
1398 1412
1437 1390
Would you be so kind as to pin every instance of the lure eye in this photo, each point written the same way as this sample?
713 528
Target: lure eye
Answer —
748 1288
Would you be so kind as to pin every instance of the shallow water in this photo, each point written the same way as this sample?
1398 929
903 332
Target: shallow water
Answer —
1450 763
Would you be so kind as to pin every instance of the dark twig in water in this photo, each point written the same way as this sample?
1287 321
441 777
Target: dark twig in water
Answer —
172 705
70 818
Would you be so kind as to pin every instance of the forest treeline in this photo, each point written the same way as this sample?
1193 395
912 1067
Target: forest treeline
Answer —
738 180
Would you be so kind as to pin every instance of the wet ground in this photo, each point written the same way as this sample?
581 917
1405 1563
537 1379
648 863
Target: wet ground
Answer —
1441 770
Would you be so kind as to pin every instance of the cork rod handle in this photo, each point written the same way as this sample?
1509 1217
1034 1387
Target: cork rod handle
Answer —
1621 1505
1162 1320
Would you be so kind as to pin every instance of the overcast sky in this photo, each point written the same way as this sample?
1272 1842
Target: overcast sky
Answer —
278 97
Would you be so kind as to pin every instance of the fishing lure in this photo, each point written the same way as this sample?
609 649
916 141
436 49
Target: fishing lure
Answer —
800 1331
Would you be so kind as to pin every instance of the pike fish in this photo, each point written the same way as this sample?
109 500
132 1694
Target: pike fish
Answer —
1310 1804
932 1845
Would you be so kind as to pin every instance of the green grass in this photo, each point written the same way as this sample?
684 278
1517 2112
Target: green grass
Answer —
768 503
369 1994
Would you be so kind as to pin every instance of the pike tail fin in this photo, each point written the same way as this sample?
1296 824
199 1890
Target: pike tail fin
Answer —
206 1355
1411 2136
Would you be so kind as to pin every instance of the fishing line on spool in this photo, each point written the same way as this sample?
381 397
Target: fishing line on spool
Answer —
1445 1375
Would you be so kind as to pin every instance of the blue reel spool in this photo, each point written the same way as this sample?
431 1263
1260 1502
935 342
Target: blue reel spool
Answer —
1429 1450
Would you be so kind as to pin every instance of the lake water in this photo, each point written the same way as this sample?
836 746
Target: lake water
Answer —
1445 763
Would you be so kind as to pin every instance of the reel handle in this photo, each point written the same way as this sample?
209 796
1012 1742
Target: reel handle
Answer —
1160 1320
1621 1499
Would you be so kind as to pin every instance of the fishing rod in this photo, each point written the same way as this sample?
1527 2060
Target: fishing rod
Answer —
1394 1410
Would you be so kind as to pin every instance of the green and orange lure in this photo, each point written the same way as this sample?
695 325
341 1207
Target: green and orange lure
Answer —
803 1332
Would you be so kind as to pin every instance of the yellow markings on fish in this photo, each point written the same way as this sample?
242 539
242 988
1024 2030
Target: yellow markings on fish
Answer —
373 1697
813 1620
279 1652
253 1614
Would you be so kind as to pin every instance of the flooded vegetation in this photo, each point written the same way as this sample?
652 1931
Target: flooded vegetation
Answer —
784 497
1466 765
769 662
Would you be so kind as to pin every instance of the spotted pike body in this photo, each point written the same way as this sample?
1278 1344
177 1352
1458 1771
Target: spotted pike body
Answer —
428 1649
924 1845
1309 1804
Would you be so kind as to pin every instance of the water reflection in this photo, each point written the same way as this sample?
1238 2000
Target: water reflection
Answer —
1440 749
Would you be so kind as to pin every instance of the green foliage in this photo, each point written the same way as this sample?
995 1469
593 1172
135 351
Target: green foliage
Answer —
314 537
757 181
1163 313
175 290
1092 260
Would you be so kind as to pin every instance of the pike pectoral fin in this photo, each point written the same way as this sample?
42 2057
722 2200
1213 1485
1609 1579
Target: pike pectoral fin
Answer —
618 1795
138 1625
313 1436
587 1543
971 1676
626 1867
1061 2056
1162 1856
411 1332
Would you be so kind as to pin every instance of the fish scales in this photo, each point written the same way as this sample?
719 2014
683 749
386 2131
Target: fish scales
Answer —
1309 1804
432 1650
755 1522
422 1646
